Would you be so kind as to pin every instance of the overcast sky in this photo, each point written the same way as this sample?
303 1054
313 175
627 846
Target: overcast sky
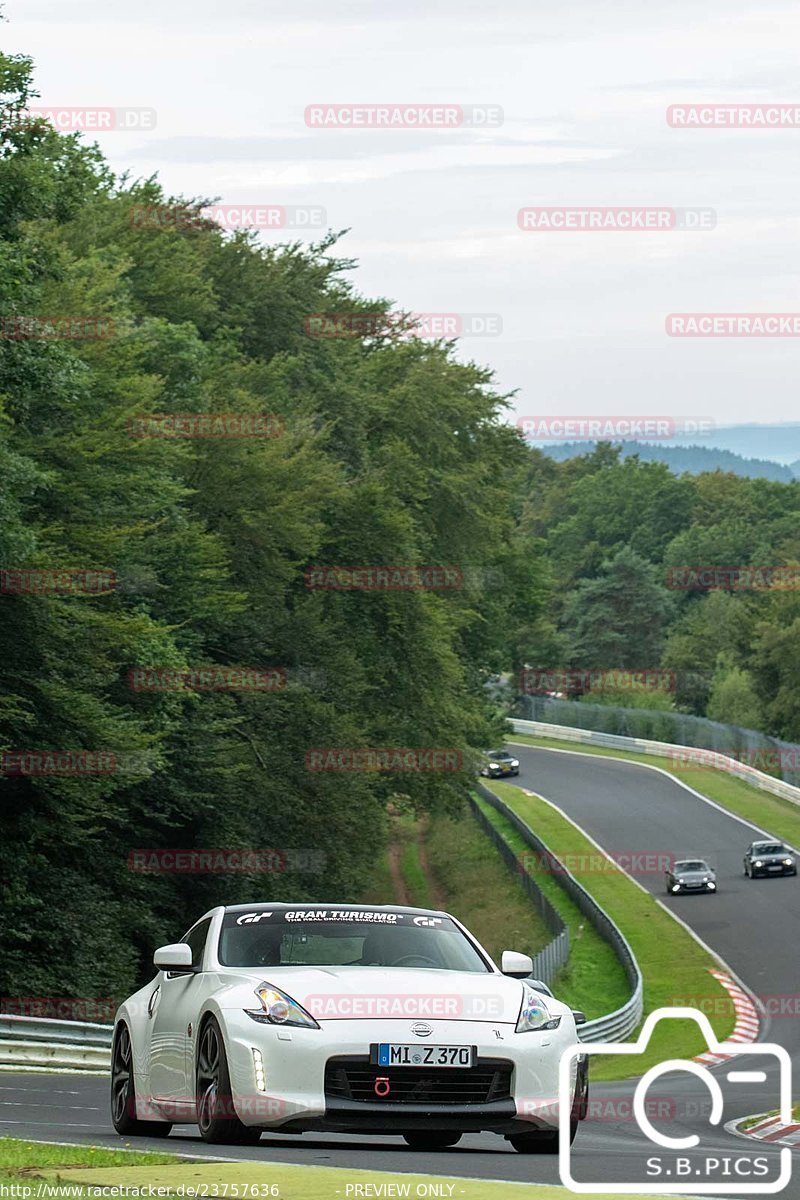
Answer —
584 86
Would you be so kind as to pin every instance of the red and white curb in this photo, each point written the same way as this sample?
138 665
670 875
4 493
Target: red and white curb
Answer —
771 1129
746 1027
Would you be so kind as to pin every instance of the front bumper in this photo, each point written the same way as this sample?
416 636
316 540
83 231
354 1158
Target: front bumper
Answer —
322 1079
774 869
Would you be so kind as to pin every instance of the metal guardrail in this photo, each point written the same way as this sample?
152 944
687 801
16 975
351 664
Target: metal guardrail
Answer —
623 1021
42 1042
681 755
549 961
49 1029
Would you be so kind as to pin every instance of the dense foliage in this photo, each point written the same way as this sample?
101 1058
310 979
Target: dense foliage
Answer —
699 575
393 453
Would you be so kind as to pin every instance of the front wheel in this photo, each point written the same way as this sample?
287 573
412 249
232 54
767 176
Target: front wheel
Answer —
431 1140
123 1092
541 1143
216 1116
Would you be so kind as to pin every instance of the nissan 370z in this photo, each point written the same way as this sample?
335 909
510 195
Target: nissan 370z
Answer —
370 1021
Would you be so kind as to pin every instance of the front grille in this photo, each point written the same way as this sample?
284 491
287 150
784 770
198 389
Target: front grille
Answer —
354 1079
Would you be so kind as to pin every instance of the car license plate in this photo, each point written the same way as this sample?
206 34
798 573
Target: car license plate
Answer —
393 1054
774 867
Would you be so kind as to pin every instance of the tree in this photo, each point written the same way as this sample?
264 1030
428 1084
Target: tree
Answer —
620 618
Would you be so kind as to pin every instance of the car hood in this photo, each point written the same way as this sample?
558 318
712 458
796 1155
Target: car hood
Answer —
363 993
694 876
772 858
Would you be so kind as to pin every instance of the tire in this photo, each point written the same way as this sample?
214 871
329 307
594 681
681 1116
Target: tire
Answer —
216 1116
123 1092
431 1140
541 1143
547 1143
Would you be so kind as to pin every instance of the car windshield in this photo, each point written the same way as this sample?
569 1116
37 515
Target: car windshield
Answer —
692 864
769 848
337 937
501 755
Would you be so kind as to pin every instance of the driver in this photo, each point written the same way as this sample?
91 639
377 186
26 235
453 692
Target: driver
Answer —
387 947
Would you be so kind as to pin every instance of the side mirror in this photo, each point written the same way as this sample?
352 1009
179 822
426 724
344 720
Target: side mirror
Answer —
518 966
176 959
580 1018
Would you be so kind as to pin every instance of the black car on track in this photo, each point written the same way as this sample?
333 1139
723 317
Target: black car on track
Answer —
769 858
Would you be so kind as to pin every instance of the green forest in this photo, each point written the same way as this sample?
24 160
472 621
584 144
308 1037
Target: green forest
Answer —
384 450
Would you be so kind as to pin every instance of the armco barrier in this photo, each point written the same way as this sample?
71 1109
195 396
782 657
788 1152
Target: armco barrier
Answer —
41 1042
614 741
549 961
623 1021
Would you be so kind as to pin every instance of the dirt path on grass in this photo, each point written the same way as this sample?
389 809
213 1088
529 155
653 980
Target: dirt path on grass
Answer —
438 899
398 883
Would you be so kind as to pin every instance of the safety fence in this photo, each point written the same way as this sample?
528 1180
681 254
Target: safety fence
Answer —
620 1023
678 755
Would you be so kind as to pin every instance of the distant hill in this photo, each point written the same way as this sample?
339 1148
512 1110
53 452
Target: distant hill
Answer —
680 459
779 442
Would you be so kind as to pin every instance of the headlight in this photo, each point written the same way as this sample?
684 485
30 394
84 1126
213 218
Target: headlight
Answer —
514 762
759 863
279 1009
534 1013
788 862
712 885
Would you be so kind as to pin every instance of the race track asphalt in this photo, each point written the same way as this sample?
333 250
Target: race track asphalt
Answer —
627 809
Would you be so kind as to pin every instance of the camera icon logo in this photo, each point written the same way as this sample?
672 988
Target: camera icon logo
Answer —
685 1166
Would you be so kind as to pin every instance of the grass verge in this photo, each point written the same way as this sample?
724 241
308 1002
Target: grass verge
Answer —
478 887
87 1173
779 817
593 980
757 1118
675 968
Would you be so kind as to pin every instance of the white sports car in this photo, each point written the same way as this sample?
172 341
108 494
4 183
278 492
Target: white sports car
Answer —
371 1021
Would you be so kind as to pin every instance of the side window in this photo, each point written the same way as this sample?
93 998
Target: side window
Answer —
196 938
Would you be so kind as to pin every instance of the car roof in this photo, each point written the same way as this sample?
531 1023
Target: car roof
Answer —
272 906
768 842
691 858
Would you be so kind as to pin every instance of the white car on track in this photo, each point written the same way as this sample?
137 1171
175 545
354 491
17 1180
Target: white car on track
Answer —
331 1017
